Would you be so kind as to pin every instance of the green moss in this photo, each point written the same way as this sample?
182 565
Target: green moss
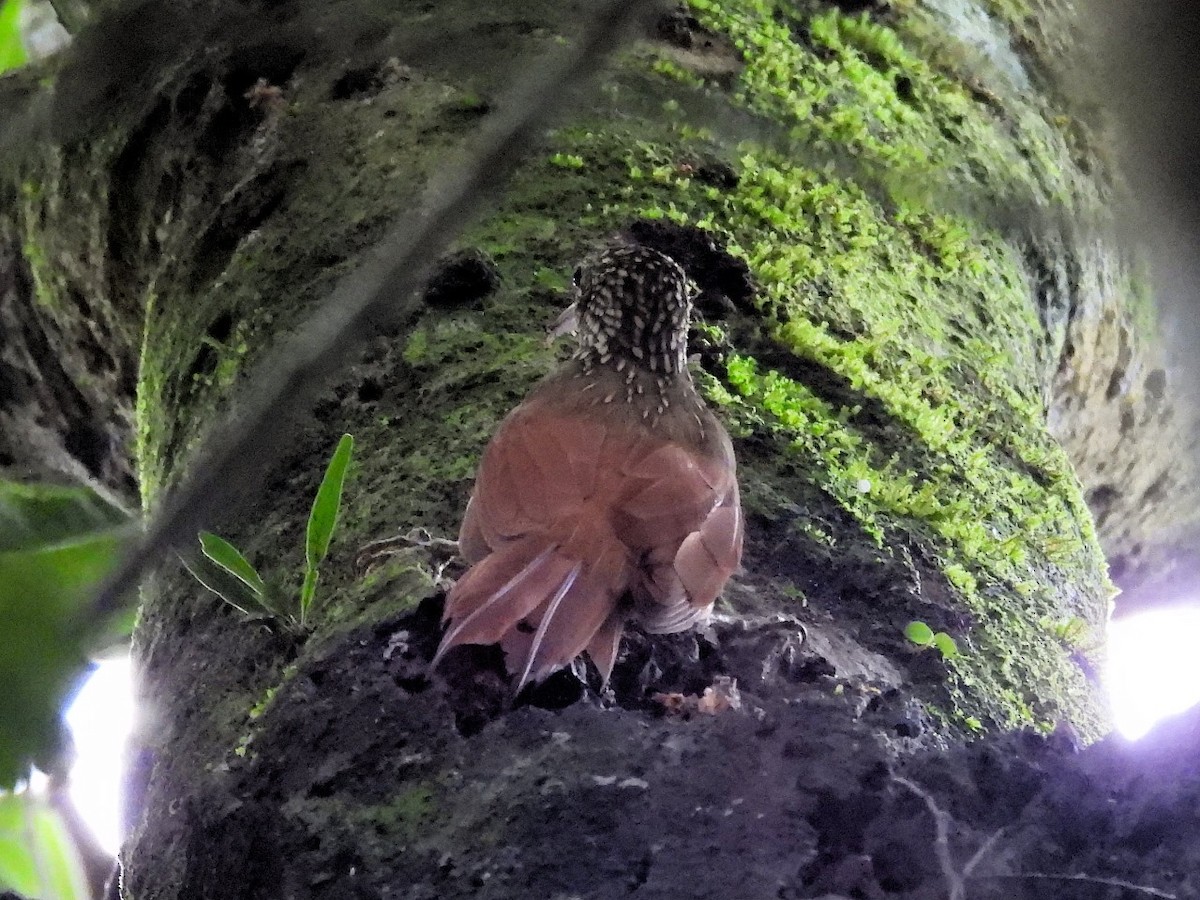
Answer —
416 347
1140 305
391 589
672 69
405 814
261 706
567 161
48 279
846 86
190 376
42 272
378 830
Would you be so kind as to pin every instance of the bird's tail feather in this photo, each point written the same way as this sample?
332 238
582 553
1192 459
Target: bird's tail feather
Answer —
495 594
543 607
539 636
603 647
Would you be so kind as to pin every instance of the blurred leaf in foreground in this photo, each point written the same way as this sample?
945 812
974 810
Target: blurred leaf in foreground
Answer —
12 51
35 515
37 858
56 544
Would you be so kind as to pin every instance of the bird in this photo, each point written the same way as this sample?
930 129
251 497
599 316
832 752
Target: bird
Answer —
608 495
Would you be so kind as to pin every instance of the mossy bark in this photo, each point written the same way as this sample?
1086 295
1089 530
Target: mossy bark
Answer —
921 223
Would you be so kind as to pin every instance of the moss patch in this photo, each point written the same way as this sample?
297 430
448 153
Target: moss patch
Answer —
923 310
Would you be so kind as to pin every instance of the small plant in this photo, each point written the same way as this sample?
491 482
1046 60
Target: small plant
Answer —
1071 632
232 577
923 636
567 161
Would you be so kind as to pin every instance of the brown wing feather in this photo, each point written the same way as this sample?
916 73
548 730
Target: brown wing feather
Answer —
603 647
548 569
500 591
539 465
472 542
682 580
566 623
709 555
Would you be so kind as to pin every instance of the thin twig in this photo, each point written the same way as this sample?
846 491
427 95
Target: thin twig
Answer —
72 15
956 890
1087 879
984 849
383 288
955 881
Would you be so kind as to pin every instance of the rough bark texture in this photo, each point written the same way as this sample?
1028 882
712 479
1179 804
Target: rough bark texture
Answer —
908 292
67 380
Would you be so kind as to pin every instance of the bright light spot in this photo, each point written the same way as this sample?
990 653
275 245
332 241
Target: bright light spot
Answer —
101 718
1153 667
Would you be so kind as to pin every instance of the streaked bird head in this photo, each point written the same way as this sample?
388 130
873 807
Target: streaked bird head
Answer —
633 304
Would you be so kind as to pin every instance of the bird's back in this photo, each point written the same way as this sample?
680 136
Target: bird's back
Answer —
584 498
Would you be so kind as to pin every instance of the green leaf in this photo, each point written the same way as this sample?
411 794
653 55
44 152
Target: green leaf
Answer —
323 518
37 856
919 633
12 51
34 515
229 558
43 644
228 587
113 636
18 871
76 522
946 645
307 591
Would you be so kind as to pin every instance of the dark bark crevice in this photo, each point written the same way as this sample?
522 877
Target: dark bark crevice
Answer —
55 425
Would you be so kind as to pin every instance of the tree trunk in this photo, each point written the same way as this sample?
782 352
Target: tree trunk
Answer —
908 290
